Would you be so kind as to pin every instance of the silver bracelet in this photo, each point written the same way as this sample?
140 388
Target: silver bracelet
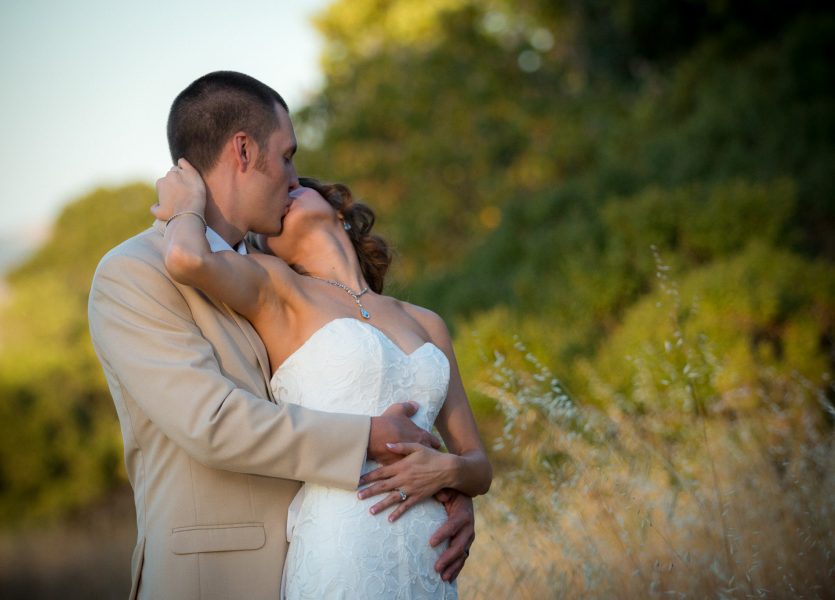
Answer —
188 212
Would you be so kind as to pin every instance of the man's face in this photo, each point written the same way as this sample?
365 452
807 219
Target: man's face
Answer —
267 194
309 212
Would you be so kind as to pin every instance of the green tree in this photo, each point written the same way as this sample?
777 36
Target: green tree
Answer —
730 337
60 445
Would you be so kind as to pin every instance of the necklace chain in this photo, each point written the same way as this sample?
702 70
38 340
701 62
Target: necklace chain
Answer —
355 295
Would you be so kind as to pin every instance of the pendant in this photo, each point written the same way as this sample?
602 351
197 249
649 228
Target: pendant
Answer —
365 313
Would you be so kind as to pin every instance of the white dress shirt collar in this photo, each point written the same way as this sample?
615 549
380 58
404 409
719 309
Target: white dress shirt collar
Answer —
218 244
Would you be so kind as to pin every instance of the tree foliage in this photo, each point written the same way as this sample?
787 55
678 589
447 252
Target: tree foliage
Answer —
60 445
594 180
526 157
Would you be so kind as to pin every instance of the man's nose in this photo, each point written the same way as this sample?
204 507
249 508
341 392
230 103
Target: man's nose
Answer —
294 178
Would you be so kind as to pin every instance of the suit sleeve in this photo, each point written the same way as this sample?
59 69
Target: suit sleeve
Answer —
146 339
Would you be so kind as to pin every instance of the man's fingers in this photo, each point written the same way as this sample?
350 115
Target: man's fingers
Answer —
443 495
431 441
410 408
401 408
394 426
459 529
448 560
458 549
444 532
452 571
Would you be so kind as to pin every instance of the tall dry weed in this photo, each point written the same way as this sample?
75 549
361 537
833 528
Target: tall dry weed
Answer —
689 497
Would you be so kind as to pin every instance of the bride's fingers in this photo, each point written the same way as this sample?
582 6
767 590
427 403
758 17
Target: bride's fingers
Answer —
378 474
404 506
404 448
374 490
390 500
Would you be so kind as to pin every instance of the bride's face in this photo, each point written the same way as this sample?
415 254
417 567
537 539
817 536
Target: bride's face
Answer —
307 212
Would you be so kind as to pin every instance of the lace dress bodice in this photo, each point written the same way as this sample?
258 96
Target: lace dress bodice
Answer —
337 548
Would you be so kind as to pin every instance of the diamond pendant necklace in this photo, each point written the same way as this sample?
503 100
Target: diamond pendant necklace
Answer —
355 295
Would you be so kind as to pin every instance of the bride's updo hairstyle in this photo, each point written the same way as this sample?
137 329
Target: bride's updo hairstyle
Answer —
372 250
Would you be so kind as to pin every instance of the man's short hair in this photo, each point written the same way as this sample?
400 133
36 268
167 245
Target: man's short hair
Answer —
205 114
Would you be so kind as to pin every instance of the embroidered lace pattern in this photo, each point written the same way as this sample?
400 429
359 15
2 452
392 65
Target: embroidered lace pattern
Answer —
337 548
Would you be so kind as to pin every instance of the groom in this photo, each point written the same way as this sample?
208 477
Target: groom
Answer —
213 460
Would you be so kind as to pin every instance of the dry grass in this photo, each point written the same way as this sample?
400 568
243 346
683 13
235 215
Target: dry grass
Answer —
84 557
722 493
683 504
618 510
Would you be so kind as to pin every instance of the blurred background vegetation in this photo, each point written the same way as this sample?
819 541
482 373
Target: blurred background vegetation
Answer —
633 197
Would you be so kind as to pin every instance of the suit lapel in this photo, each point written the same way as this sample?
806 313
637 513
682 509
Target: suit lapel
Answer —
251 337
245 326
256 344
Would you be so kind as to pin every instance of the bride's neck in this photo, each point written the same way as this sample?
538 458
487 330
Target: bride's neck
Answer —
330 256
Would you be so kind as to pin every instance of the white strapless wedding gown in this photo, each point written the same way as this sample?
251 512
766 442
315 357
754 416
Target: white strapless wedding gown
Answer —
337 548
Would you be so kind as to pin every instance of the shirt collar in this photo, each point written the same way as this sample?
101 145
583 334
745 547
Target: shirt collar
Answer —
218 244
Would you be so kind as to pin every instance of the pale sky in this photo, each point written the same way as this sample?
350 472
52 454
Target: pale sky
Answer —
86 86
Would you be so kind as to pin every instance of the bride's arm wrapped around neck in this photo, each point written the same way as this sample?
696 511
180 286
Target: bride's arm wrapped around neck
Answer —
247 284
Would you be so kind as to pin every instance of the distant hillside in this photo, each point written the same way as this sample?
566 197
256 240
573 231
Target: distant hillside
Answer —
14 249
60 446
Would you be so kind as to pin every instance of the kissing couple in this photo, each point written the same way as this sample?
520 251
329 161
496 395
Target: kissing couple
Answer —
275 406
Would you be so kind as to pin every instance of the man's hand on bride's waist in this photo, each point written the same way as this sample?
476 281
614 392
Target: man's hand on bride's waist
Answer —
459 529
396 426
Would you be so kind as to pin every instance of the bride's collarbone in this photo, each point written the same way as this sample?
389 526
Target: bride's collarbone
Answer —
402 331
319 305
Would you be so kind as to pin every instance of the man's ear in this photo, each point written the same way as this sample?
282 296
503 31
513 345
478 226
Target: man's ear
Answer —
243 148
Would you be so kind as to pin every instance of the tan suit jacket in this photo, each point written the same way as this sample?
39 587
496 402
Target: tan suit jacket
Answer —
213 460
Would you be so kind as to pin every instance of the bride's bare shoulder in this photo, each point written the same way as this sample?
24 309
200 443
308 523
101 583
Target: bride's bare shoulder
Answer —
430 321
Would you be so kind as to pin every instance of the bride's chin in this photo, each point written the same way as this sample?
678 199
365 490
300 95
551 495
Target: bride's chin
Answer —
288 224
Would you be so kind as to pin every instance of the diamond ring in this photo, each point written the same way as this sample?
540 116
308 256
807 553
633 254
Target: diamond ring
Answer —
403 494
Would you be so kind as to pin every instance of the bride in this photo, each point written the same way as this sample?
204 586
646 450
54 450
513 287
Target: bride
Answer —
335 343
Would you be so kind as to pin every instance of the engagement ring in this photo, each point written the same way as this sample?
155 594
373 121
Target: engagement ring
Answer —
403 494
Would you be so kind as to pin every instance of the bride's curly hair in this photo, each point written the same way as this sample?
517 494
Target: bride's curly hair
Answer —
372 250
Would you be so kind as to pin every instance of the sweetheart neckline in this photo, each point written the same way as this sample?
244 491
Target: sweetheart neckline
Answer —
379 331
